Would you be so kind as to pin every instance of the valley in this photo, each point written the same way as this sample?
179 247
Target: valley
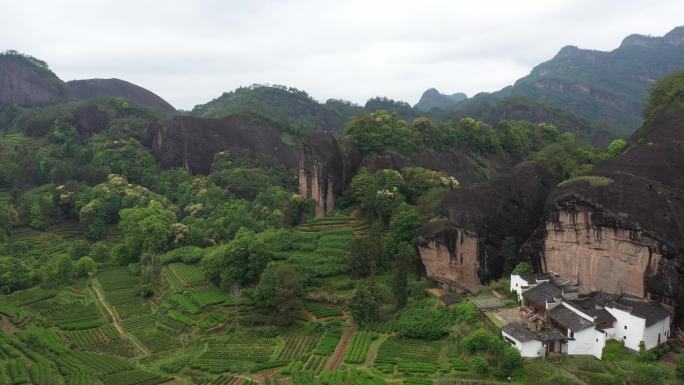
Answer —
268 238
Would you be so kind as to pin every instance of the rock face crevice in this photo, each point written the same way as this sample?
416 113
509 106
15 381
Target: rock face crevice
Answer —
324 170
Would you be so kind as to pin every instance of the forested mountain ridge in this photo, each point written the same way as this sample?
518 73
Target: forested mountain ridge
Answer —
287 105
606 88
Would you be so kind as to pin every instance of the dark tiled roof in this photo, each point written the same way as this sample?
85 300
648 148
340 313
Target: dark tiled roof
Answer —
652 312
569 319
520 333
542 293
451 298
592 307
552 335
533 277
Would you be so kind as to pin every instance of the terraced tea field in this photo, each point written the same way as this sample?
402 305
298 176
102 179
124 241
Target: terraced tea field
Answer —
234 353
410 355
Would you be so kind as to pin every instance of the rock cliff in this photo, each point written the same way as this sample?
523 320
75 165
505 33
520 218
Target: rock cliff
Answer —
97 88
463 247
191 142
26 81
621 229
325 169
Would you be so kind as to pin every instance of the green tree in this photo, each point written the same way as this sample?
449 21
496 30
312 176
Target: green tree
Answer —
523 268
147 229
278 292
616 147
405 255
85 266
381 131
480 365
241 261
509 360
364 304
6 223
58 272
100 252
403 227
14 274
79 248
367 253
668 92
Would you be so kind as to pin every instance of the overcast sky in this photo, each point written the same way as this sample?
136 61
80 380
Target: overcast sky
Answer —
190 52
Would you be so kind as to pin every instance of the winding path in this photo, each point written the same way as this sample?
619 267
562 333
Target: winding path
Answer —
115 320
336 360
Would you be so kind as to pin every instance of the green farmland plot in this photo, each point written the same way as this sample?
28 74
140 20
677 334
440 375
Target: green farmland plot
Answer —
234 353
358 347
410 354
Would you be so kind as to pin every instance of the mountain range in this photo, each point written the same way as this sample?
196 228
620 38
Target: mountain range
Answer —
598 95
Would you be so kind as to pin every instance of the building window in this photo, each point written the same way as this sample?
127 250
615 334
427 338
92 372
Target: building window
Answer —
597 340
625 327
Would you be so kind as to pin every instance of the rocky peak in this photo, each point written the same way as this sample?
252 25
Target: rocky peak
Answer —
432 98
27 81
672 38
675 37
97 88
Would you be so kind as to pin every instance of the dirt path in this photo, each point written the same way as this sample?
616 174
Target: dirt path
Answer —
570 375
115 320
337 357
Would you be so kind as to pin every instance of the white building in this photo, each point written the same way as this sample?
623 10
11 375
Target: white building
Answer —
639 321
523 282
526 341
583 322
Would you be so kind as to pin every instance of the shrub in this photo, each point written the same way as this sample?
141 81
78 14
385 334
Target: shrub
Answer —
482 341
427 324
480 365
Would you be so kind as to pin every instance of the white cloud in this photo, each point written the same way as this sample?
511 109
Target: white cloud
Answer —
191 51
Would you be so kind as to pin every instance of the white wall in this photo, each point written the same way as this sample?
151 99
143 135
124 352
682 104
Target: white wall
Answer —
633 334
517 283
651 333
578 312
587 342
527 349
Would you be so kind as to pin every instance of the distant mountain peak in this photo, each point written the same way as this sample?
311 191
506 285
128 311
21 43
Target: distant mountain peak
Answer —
432 98
672 38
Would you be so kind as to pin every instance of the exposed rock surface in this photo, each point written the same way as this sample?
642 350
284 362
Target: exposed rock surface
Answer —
191 142
26 83
622 229
324 170
463 249
97 88
91 120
